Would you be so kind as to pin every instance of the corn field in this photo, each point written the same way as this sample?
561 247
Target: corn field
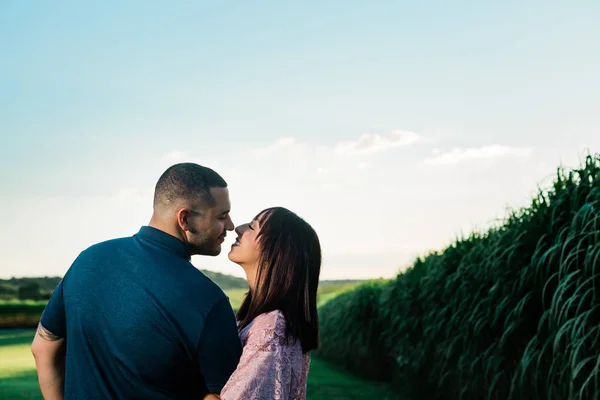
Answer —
512 313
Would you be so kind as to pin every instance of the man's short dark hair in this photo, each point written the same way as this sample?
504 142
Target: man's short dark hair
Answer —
187 182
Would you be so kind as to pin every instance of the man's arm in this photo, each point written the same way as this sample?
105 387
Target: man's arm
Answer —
49 347
219 348
49 352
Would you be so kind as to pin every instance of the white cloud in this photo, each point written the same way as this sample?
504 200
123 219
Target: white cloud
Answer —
374 143
365 144
126 194
281 144
289 158
132 195
292 162
284 159
457 155
174 156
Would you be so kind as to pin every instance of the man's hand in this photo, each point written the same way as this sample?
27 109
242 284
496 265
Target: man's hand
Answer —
49 352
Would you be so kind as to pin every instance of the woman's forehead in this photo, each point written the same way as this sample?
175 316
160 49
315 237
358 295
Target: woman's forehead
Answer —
262 217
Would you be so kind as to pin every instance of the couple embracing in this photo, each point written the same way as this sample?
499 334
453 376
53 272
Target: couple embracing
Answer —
132 318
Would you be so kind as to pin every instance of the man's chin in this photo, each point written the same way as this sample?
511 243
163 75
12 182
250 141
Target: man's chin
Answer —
213 252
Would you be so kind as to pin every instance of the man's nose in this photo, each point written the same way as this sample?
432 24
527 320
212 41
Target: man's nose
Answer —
229 225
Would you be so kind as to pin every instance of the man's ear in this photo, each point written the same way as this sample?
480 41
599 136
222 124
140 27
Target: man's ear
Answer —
183 217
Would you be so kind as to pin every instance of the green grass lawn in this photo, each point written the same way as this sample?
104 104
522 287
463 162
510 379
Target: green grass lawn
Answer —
18 378
236 296
326 381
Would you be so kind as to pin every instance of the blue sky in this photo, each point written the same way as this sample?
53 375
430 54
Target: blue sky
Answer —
391 127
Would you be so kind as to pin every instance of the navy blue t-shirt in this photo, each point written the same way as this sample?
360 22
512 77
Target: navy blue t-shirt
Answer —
141 322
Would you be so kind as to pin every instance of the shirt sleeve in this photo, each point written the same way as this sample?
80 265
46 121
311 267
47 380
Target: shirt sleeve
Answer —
265 369
53 317
219 346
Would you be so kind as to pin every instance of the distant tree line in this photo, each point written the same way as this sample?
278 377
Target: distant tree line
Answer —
41 288
38 288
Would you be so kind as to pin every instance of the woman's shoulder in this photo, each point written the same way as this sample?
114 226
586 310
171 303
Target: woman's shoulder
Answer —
269 322
268 332
269 327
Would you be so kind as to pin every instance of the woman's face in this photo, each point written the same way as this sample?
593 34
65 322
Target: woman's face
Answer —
245 251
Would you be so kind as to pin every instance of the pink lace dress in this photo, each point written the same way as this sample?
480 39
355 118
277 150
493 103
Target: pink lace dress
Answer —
268 369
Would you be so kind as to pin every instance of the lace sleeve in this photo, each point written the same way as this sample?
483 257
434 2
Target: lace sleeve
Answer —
265 368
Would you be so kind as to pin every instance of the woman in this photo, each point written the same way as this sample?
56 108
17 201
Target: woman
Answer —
278 325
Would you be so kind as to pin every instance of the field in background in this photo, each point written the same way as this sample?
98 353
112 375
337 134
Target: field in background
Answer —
26 313
236 296
22 301
331 289
327 291
20 313
18 379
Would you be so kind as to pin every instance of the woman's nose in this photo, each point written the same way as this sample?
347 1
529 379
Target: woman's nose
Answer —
240 229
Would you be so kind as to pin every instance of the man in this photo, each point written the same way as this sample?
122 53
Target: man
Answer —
133 318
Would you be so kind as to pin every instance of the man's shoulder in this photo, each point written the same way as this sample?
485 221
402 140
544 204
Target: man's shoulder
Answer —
99 252
199 296
203 284
109 244
104 247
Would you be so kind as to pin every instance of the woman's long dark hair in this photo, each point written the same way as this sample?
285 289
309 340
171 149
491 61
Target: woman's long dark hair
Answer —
287 276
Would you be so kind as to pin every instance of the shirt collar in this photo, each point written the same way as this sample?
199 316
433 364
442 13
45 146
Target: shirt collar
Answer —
164 239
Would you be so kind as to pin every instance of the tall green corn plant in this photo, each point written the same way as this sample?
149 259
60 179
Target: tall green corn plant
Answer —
509 314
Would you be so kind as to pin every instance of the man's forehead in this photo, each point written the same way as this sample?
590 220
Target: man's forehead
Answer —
221 196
